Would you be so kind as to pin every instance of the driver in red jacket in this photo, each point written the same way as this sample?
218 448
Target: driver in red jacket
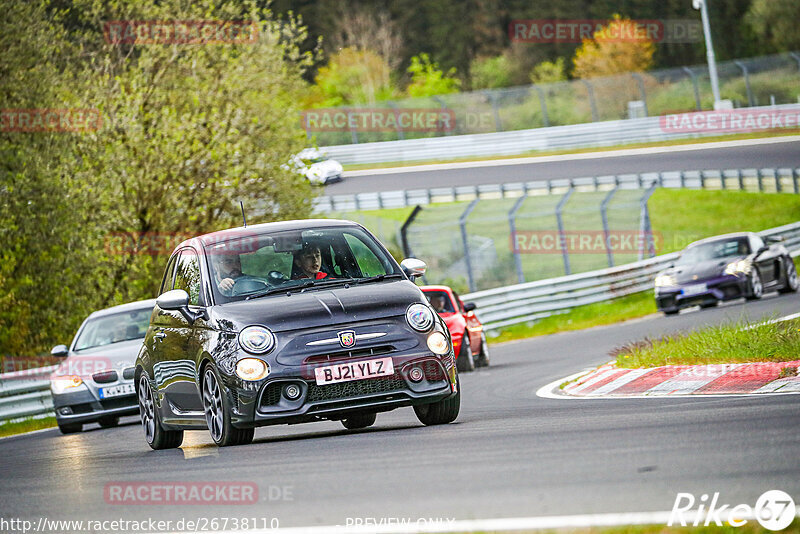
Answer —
307 263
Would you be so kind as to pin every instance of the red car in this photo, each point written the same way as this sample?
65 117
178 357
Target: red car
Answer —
463 324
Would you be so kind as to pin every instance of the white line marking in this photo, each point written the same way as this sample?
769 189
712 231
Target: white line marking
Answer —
595 379
621 381
503 524
572 157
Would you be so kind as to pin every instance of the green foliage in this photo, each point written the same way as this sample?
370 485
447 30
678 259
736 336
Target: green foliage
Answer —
428 80
775 22
549 72
354 77
490 72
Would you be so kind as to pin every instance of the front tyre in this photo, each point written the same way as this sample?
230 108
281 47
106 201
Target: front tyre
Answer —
442 412
790 273
70 428
157 437
108 422
756 287
483 356
218 414
465 363
359 420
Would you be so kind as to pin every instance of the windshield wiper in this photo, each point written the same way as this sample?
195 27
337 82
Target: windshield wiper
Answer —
378 278
281 289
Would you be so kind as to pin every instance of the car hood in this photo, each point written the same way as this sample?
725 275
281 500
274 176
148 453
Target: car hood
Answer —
319 307
89 361
702 270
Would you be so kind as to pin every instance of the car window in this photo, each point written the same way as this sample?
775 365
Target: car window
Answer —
715 250
259 262
169 275
757 242
114 328
458 302
440 301
187 275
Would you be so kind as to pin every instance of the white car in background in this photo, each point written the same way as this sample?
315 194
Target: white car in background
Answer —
317 167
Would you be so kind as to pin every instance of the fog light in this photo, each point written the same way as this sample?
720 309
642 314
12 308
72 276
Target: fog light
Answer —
292 392
415 374
66 410
438 344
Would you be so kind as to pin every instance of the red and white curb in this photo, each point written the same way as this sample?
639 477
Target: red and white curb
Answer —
724 379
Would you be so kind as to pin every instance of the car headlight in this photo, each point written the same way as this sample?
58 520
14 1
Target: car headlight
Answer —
64 383
256 339
438 344
251 369
739 267
664 280
420 317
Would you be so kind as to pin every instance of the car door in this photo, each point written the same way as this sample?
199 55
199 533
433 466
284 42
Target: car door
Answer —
767 262
177 369
473 325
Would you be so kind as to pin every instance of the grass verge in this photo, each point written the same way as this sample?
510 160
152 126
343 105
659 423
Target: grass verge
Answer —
731 343
600 313
26 425
694 141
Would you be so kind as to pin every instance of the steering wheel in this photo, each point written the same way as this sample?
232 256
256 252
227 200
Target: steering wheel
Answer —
276 278
247 284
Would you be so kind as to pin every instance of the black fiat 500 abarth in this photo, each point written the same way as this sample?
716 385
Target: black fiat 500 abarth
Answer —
290 322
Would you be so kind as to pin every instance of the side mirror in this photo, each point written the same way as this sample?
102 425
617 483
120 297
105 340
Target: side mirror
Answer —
413 267
762 250
774 239
177 300
59 351
470 306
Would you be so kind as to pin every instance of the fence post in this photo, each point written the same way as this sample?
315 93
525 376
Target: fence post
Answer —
640 81
606 232
393 105
696 86
645 229
778 187
741 179
722 180
760 181
683 180
404 231
702 179
794 180
353 132
512 226
544 105
746 74
562 238
498 124
590 90
444 106
462 222
796 57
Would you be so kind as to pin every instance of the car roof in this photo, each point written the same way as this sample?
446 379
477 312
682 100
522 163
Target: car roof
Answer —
130 306
722 238
435 288
252 229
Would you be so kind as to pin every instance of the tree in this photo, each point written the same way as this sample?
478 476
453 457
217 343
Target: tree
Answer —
549 72
606 53
775 21
354 76
428 80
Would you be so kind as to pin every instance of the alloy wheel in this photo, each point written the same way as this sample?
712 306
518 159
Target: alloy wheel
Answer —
147 409
212 405
755 285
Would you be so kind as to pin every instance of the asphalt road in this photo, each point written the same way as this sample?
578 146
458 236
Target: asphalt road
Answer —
776 154
509 454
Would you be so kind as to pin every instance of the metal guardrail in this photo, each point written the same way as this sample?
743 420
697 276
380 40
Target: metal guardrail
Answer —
588 135
531 301
755 180
26 393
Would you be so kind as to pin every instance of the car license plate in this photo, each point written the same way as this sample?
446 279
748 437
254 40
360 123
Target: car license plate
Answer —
695 289
116 391
345 372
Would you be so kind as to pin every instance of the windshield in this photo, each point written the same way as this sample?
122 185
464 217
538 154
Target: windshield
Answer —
254 264
113 329
440 301
715 250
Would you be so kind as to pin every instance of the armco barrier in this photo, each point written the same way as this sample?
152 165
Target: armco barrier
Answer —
531 301
756 180
593 134
27 393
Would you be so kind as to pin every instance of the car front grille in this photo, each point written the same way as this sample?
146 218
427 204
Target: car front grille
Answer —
348 354
356 388
272 394
118 402
128 373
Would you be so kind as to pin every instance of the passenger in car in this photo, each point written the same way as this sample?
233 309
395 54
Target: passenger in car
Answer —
307 263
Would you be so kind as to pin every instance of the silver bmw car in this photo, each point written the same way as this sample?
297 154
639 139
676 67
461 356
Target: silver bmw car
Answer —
94 383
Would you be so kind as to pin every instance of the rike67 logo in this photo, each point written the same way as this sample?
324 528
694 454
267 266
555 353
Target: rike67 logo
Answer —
774 510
